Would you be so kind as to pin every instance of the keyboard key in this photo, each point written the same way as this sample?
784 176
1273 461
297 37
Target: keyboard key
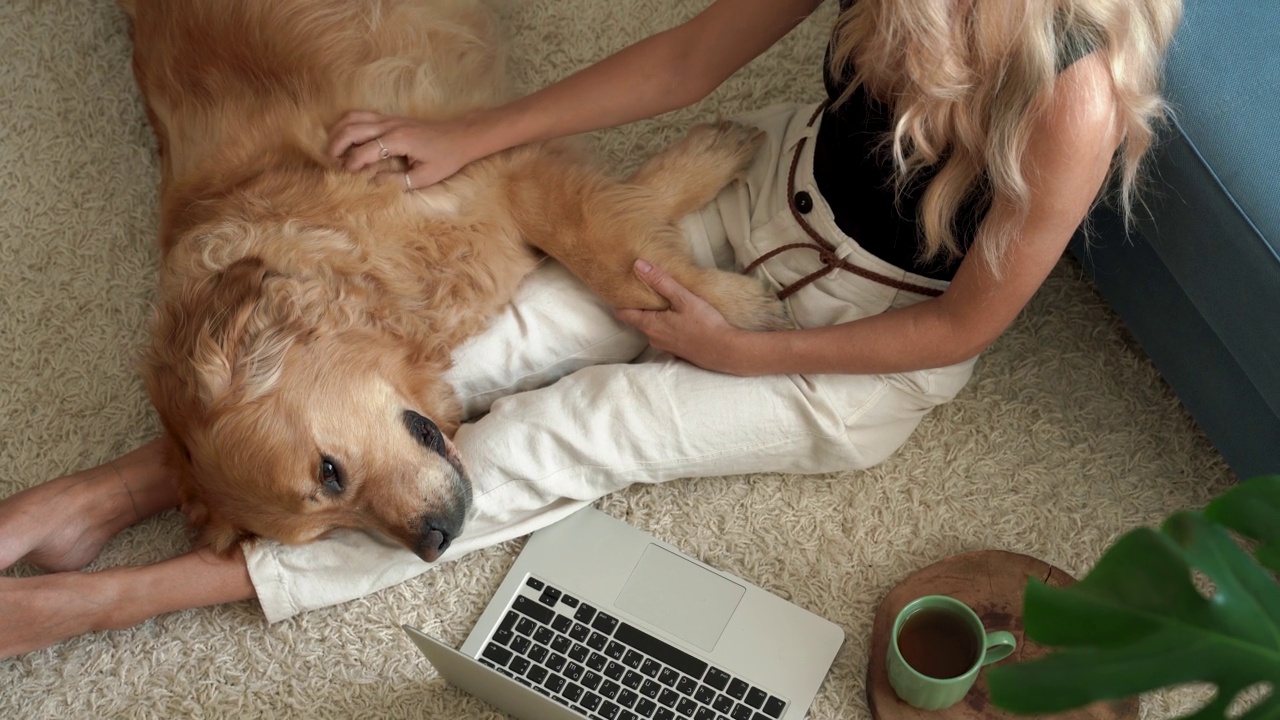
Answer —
496 653
668 677
562 623
741 712
737 689
597 661
664 714
705 694
579 632
579 652
633 659
668 698
687 685
555 683
610 689
645 707
549 597
537 673
722 703
569 600
556 662
650 668
628 715
531 608
686 707
773 707
574 671
538 653
652 646
716 678
615 650
705 713
544 635
519 665
650 689
609 710
508 620
585 614
756 697
521 644
591 701
561 644
573 691
614 671
534 583
627 698
503 637
525 626
605 623
632 679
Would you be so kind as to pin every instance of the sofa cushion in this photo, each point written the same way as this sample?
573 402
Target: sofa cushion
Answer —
1199 282
1217 225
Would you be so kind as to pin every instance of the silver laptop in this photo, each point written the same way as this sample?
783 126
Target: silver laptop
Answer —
597 619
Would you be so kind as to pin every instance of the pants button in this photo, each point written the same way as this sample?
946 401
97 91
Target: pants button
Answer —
803 202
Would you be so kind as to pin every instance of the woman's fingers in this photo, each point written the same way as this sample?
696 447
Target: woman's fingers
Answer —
354 129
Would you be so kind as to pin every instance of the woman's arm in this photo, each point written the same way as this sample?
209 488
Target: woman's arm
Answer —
1067 161
666 71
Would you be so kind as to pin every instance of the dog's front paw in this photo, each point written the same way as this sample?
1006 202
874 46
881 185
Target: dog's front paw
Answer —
746 304
692 171
729 144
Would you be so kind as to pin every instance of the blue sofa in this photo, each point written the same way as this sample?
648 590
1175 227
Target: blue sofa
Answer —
1197 281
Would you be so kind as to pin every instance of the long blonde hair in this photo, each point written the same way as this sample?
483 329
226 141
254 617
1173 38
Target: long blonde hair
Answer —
965 79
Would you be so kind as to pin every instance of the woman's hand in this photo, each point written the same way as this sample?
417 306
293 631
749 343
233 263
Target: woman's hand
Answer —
434 150
691 329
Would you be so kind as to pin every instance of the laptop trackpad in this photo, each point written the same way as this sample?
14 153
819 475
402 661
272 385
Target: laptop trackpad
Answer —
680 597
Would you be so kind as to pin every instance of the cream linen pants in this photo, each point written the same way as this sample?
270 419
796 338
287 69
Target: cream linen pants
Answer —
566 404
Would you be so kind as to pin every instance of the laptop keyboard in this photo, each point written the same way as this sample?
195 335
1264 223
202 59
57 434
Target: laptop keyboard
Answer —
606 669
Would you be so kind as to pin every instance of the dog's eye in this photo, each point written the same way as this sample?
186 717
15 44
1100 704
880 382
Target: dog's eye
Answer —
425 431
330 476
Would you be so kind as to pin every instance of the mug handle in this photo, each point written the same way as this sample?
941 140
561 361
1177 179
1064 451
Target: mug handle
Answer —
1000 645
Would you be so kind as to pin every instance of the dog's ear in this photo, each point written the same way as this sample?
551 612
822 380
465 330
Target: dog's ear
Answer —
219 535
213 529
221 339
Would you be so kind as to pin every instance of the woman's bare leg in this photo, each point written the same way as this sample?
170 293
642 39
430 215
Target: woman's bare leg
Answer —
39 611
64 523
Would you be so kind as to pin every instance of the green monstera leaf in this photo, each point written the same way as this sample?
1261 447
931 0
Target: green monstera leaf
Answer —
1137 622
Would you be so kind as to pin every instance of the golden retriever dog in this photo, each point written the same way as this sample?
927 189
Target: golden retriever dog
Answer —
306 315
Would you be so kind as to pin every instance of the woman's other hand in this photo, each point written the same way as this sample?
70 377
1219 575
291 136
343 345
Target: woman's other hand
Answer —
433 150
690 329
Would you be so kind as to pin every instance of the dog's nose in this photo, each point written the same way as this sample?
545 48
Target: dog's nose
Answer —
434 537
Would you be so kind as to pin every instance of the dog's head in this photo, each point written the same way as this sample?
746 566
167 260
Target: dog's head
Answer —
289 416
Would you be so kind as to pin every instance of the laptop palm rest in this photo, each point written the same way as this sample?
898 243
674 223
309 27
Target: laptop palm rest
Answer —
680 597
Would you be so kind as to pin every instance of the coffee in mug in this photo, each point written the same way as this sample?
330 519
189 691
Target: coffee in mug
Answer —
939 643
937 648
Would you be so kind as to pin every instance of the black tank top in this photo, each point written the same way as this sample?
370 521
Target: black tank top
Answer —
855 174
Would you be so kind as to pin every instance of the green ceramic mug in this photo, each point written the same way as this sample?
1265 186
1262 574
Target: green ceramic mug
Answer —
937 648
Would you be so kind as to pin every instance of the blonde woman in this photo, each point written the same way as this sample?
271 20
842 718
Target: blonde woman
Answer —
905 221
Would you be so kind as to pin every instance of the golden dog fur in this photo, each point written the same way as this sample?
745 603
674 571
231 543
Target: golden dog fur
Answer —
306 315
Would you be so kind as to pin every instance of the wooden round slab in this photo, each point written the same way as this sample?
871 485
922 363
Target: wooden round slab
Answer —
991 582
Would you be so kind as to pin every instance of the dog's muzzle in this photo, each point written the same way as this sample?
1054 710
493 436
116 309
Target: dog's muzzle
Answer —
435 535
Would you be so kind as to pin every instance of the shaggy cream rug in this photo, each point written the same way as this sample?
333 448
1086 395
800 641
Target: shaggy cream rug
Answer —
1065 438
